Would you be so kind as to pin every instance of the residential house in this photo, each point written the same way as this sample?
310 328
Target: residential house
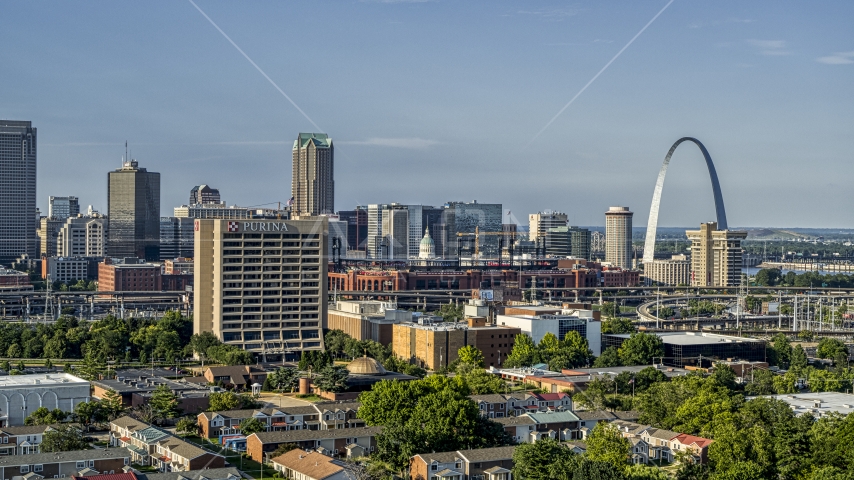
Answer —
639 450
36 466
483 464
492 405
309 466
228 473
501 405
240 377
339 442
319 416
518 427
587 420
154 447
553 401
21 440
559 425
665 445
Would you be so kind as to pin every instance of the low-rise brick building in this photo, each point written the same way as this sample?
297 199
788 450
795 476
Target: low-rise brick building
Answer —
435 346
482 463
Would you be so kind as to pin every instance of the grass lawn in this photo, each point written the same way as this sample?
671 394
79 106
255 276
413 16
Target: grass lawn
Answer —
310 398
144 468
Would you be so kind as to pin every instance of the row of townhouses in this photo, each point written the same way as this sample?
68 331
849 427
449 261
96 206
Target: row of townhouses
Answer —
650 443
151 446
320 416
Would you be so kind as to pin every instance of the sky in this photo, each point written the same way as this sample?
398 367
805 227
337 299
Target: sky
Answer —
436 101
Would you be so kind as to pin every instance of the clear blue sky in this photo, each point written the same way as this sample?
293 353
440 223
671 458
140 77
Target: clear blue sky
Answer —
435 101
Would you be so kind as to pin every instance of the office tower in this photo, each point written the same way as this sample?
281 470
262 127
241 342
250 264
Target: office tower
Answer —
357 227
618 237
568 242
176 237
133 210
203 194
63 207
261 284
17 190
540 223
716 256
313 184
465 217
82 236
416 229
388 231
48 234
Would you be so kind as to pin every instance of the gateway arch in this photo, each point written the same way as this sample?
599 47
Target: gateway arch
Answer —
652 225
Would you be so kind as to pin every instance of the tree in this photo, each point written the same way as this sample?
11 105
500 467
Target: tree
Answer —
112 404
314 359
87 413
187 426
533 461
251 425
43 416
609 309
831 348
201 342
222 401
724 375
641 348
799 358
283 449
610 358
144 413
332 379
479 381
164 402
524 352
284 378
607 444
471 355
450 312
63 438
781 350
617 325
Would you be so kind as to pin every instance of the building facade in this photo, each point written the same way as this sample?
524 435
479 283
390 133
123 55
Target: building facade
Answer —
176 237
541 222
21 395
435 346
133 209
568 242
618 237
676 271
82 236
63 207
48 234
313 179
262 285
67 269
17 190
128 275
204 194
357 227
716 256
537 326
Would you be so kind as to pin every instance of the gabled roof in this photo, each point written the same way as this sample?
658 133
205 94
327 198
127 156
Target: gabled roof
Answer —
235 373
513 421
229 473
551 397
686 439
183 448
552 417
488 454
313 464
662 434
594 415
57 457
25 429
335 406
489 398
303 435
129 423
109 476
438 457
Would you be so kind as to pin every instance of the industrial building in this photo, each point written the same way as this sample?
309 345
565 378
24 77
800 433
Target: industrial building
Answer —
699 349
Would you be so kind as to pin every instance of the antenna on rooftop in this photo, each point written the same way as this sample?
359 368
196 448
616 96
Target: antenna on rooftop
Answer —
127 159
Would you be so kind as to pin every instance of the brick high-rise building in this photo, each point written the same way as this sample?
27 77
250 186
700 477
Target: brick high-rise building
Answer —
313 180
618 237
17 190
261 284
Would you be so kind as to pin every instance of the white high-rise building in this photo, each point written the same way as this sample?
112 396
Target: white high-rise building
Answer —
82 237
540 223
618 237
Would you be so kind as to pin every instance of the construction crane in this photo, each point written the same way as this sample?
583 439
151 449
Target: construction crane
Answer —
477 233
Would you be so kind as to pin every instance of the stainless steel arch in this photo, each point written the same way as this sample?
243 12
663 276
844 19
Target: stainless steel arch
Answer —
652 225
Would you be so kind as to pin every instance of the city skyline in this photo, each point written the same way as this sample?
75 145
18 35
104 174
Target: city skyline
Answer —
728 74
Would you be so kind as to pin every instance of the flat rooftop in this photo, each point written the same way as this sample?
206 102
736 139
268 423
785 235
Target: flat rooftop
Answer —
614 371
45 379
694 338
818 404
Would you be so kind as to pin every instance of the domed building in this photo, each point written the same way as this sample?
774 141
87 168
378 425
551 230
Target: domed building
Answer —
364 373
366 366
427 249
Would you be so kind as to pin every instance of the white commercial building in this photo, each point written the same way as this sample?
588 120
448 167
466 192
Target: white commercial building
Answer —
82 236
21 395
819 404
537 326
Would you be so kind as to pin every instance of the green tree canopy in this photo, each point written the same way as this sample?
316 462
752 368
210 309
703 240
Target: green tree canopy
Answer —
252 425
63 438
471 355
607 444
641 348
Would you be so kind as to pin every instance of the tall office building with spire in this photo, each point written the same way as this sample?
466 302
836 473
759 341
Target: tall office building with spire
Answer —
133 212
313 184
17 190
